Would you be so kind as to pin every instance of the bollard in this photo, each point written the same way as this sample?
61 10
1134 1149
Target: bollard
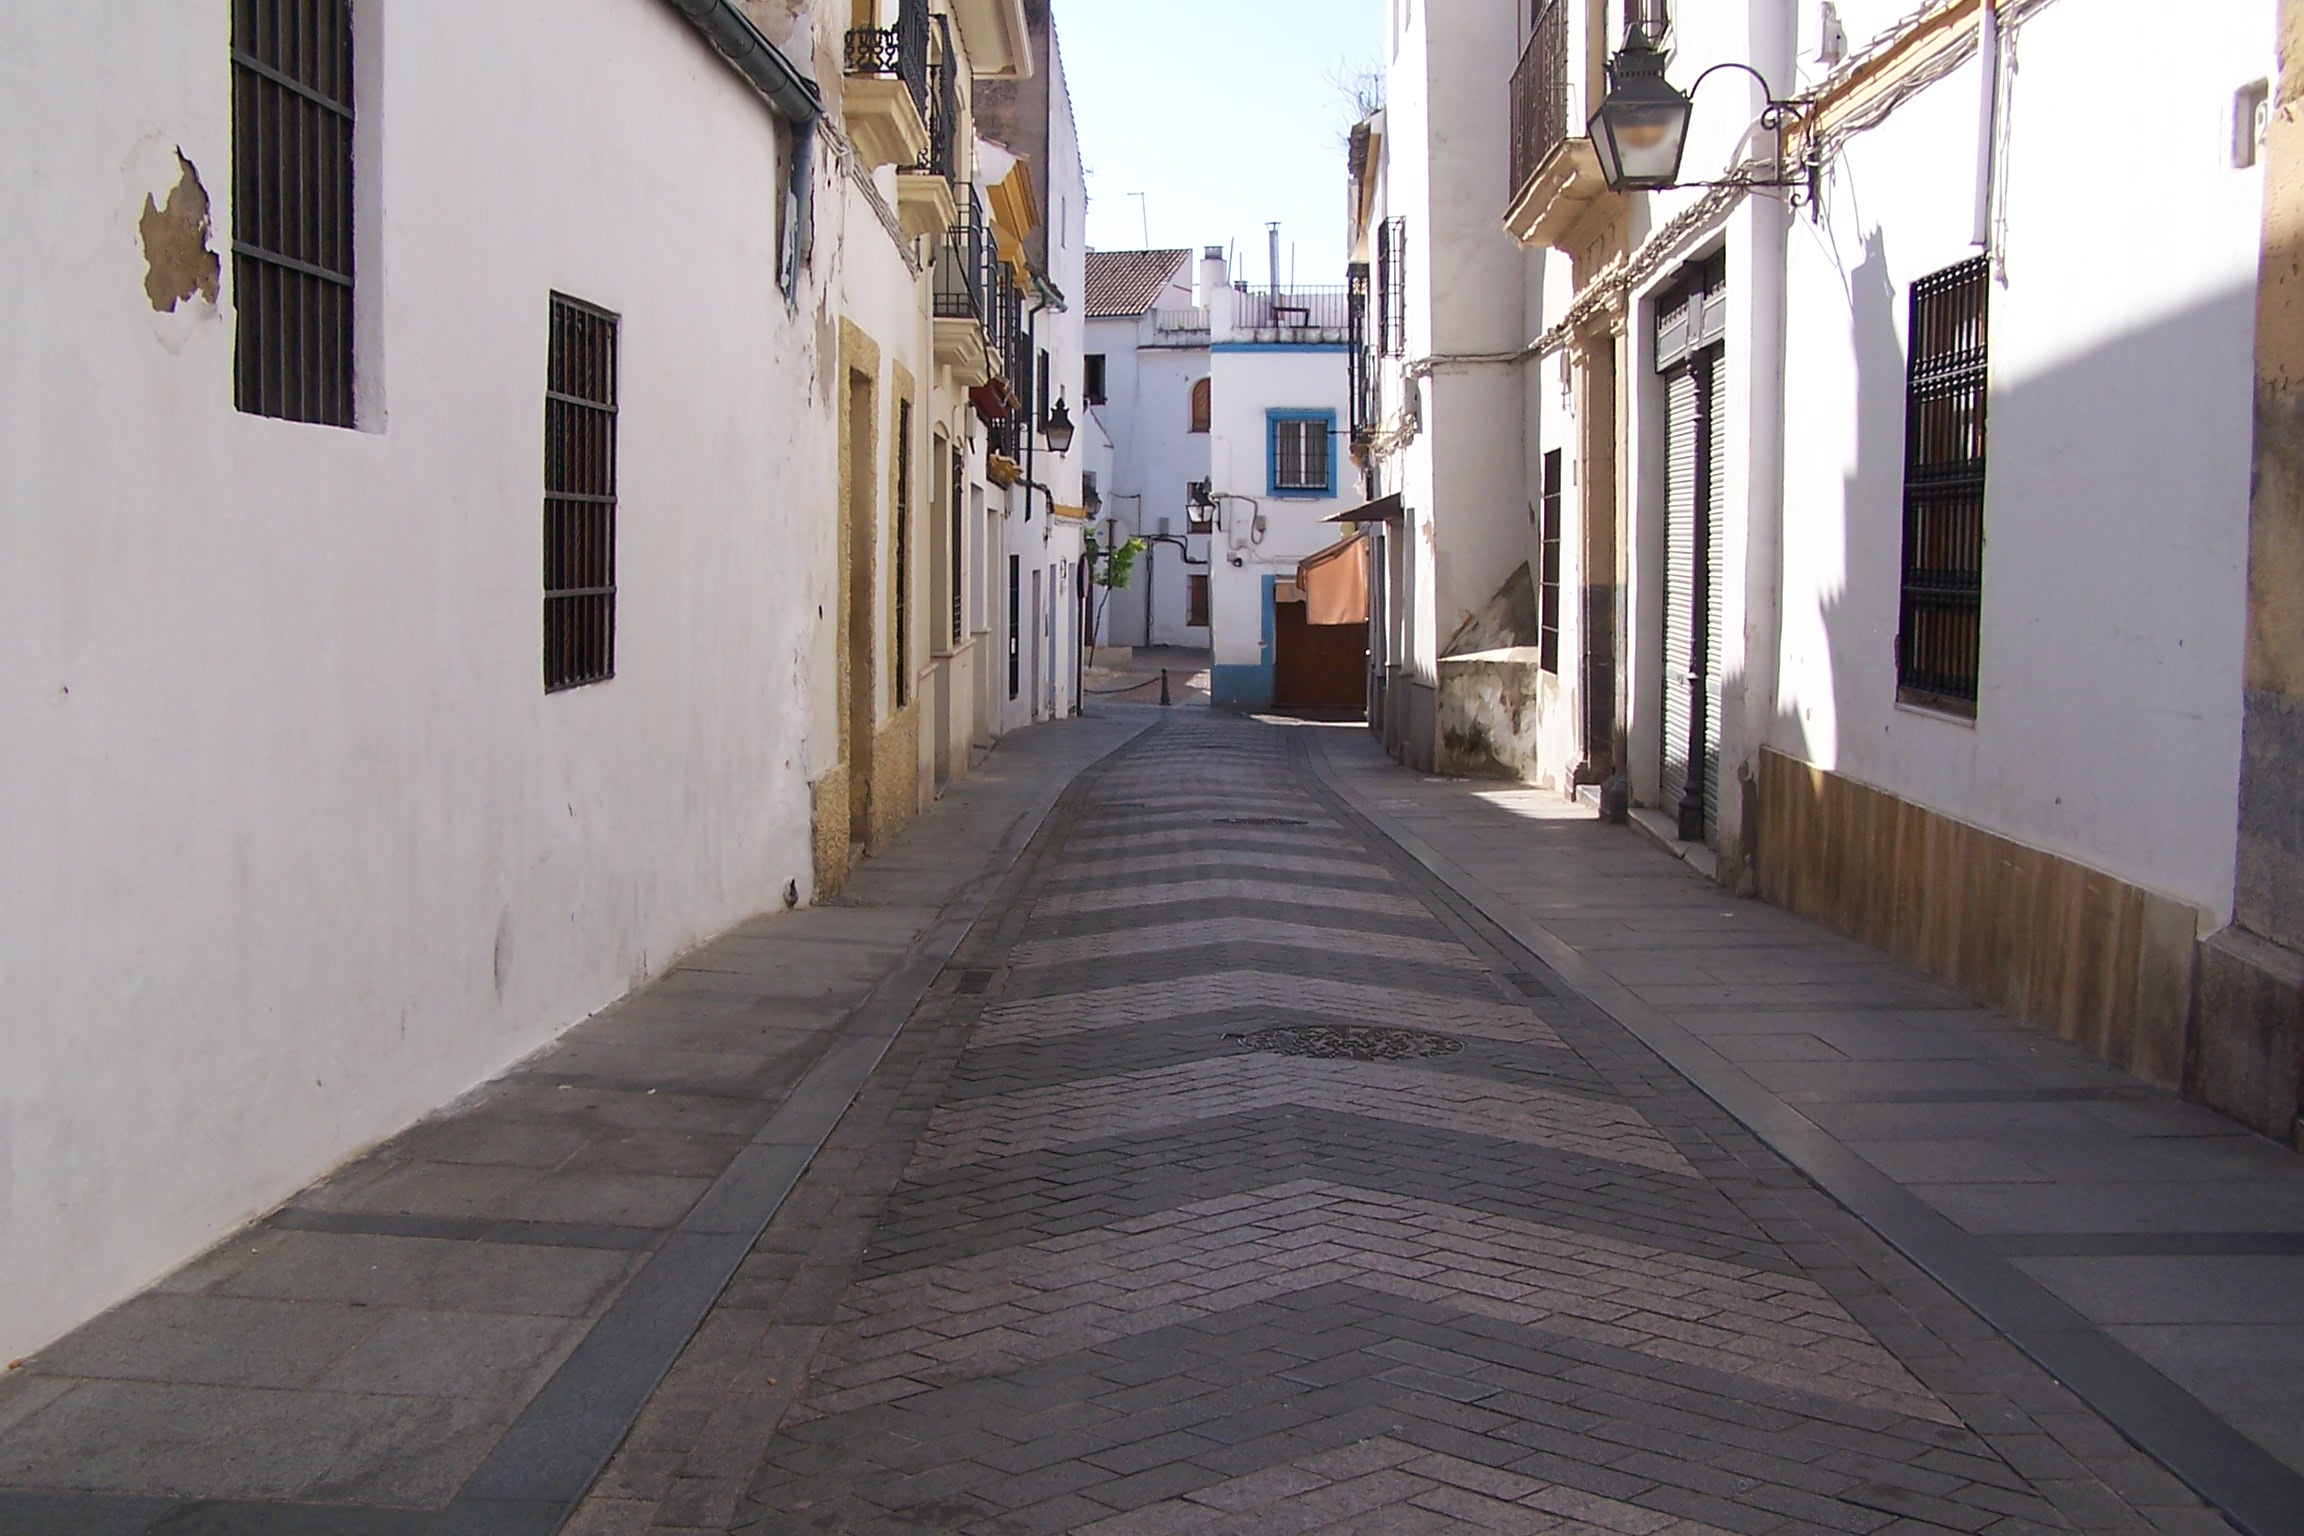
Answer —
1163 687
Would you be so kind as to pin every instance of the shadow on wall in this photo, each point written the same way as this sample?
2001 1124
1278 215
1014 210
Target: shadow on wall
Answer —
2111 565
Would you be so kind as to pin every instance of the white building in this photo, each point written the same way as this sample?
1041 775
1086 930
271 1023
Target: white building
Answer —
1280 372
1146 381
370 721
1043 513
1892 471
1472 619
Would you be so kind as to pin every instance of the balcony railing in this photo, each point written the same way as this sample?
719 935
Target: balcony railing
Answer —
942 156
960 261
899 52
1540 94
1294 310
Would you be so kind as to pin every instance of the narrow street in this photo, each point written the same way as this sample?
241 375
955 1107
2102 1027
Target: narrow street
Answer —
1153 1144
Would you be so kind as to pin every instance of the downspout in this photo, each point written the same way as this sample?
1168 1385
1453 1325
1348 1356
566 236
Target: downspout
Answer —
792 96
1988 118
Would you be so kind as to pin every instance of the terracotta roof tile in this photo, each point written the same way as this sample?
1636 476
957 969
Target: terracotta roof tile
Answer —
1126 282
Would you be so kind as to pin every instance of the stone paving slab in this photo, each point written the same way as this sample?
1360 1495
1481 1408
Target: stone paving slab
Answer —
1083 1257
2012 1140
350 1362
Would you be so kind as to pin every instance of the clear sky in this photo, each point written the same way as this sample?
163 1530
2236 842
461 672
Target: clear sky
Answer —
1225 115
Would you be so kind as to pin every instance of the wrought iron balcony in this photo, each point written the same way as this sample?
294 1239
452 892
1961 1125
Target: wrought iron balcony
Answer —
899 52
942 156
961 264
1540 95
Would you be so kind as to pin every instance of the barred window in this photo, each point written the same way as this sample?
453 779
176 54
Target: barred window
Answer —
901 578
1939 641
580 497
1392 288
1300 455
1548 561
292 209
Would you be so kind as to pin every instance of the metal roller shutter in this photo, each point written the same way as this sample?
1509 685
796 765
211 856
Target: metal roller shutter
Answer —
1711 370
1683 421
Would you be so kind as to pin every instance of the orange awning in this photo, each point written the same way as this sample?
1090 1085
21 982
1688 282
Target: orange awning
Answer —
1335 583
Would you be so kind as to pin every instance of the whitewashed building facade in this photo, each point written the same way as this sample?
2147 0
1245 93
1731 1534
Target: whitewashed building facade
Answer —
1886 484
442 589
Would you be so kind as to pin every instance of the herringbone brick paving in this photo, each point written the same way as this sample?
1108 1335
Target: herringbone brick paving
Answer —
1082 1259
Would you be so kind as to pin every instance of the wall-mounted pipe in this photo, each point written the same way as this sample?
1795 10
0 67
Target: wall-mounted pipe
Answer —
791 96
1988 119
732 34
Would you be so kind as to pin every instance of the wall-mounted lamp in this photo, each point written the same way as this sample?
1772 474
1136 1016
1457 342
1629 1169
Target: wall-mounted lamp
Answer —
1640 132
1641 129
1056 428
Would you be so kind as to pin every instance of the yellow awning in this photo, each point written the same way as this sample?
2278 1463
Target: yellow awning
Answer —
1014 206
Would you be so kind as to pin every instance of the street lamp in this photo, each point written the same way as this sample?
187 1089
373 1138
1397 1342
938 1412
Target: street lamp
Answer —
1057 429
1641 129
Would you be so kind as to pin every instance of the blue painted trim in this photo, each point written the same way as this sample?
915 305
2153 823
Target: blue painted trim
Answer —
1272 420
1280 346
1241 685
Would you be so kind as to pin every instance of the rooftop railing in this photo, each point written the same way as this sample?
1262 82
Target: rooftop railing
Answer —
1296 309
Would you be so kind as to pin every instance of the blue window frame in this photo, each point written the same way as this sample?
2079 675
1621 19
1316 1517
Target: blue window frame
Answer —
1300 454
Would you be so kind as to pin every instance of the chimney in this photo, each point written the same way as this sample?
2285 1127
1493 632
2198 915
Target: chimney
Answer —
1216 291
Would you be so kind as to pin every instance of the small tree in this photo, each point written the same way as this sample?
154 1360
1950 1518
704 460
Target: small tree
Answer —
1108 568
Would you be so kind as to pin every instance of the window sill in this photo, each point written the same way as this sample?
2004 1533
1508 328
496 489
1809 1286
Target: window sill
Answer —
1933 708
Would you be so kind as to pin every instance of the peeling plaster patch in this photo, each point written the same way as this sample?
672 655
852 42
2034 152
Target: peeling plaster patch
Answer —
177 259
776 19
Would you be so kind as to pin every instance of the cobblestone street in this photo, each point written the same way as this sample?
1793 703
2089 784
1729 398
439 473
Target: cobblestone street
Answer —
1235 1179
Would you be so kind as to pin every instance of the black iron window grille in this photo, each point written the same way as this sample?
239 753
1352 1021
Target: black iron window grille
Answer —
1540 94
1015 625
1363 372
1939 642
959 537
580 497
900 51
1392 287
292 209
1300 455
901 577
1548 575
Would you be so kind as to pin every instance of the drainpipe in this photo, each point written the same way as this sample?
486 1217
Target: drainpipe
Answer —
1988 118
791 96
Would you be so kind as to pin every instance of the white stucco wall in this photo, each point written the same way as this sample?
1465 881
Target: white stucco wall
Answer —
299 847
1156 454
2108 728
1266 534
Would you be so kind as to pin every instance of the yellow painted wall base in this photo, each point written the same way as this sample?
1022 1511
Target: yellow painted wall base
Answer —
2102 963
828 802
895 776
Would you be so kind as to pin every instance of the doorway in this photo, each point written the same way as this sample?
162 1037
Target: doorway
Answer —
857 680
1690 322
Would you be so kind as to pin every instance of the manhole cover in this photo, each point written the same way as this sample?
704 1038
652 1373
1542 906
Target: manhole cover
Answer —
1349 1042
1261 821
